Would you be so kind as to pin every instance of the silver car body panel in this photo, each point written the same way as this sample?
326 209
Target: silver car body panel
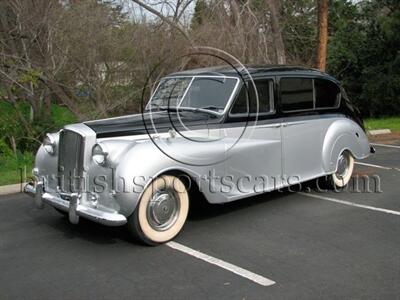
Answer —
312 144
289 150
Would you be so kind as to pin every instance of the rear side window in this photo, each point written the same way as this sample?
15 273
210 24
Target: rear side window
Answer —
327 94
242 103
297 94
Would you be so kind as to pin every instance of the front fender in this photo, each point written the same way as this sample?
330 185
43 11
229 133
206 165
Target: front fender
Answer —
342 135
46 166
135 171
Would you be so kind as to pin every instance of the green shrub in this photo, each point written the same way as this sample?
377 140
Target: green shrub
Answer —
5 151
27 139
60 116
13 166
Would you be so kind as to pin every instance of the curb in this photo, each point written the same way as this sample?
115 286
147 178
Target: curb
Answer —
12 189
379 131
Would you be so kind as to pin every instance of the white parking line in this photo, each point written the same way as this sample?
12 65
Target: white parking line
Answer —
222 264
385 145
387 211
374 166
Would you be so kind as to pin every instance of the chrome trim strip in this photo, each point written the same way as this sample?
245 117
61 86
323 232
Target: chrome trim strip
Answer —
268 126
253 124
287 124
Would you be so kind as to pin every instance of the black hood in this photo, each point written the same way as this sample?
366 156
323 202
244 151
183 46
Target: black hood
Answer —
152 123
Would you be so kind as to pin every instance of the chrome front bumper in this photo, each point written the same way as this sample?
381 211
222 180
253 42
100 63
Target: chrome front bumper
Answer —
73 207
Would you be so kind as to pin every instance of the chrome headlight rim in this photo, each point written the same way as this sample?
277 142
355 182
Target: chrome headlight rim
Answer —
99 154
49 144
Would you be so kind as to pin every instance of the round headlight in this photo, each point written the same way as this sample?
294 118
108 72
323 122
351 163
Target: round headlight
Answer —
99 154
49 144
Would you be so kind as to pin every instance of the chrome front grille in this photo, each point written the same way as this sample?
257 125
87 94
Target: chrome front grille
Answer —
70 162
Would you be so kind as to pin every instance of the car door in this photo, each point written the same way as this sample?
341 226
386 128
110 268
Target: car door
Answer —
254 162
302 130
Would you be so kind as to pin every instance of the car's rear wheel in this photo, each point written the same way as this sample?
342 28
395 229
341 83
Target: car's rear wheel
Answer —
344 170
161 211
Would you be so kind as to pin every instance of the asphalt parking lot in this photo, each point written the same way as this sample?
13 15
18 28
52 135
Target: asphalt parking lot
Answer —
280 245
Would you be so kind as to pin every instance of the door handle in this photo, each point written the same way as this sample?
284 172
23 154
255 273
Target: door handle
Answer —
292 124
270 126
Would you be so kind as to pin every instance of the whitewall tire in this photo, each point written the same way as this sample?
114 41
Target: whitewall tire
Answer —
161 211
344 170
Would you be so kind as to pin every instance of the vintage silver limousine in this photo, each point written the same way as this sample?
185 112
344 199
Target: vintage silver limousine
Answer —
221 132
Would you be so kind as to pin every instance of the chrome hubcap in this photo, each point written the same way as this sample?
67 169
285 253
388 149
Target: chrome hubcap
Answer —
343 165
162 210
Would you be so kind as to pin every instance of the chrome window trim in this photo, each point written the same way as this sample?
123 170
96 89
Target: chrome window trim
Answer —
228 103
185 93
271 103
314 95
153 93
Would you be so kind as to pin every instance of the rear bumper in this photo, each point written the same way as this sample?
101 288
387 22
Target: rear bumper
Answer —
73 206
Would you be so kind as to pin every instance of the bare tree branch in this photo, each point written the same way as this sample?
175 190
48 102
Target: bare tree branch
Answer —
166 20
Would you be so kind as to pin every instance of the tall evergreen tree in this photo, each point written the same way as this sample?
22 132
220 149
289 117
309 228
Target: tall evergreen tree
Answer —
200 15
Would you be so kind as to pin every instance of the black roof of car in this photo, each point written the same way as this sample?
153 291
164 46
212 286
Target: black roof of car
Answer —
253 70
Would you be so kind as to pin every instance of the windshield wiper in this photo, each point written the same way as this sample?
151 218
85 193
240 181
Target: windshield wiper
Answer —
169 108
206 109
154 106
212 107
213 110
162 107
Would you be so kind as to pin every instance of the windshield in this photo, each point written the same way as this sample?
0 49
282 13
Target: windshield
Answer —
210 93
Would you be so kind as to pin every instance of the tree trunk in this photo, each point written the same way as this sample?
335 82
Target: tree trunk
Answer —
280 54
235 7
13 145
46 103
322 34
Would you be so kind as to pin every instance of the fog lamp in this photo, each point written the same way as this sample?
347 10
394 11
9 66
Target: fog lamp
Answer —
49 144
99 154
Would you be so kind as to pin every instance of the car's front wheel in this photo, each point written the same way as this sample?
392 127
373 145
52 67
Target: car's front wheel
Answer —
161 211
344 170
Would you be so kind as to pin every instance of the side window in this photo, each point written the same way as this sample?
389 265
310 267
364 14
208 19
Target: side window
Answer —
297 94
327 94
264 88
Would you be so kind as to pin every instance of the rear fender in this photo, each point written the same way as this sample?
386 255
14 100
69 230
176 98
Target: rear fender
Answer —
343 135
